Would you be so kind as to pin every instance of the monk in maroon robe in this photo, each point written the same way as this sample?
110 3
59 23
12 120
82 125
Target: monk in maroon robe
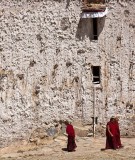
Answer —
111 134
118 140
71 145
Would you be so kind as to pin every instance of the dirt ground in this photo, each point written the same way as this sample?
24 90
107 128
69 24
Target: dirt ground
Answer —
88 148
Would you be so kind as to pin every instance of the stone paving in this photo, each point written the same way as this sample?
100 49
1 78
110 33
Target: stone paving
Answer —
88 149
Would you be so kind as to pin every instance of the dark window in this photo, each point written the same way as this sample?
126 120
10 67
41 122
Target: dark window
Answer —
96 74
95 27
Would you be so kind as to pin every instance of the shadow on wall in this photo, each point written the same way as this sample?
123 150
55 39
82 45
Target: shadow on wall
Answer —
68 2
90 28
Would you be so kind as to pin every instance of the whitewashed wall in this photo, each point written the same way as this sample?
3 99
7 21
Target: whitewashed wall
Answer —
46 54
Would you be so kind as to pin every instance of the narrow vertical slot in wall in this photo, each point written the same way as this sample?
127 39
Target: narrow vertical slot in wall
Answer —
95 29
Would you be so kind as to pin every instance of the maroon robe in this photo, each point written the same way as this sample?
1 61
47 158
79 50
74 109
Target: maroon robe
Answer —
111 141
71 145
118 140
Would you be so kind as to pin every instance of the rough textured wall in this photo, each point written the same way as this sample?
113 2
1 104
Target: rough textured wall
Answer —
46 55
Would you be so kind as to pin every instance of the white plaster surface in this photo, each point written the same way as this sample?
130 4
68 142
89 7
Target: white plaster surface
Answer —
46 54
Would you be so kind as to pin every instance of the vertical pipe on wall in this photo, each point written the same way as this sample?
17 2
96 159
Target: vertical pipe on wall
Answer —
94 95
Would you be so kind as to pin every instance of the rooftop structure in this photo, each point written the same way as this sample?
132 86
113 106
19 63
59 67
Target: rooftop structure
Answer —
93 5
